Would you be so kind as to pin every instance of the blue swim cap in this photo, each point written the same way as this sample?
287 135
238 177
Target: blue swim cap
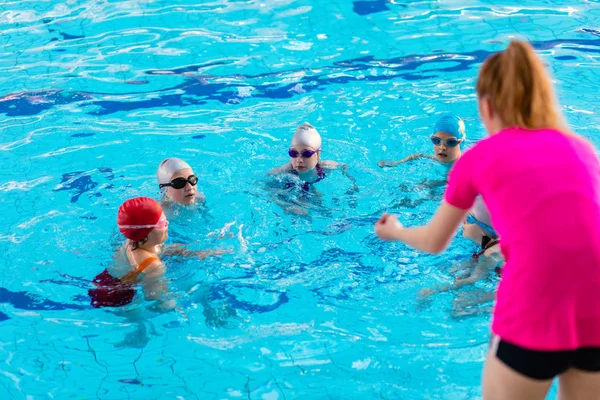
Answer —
453 125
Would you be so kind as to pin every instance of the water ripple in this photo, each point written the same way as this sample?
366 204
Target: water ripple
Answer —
94 94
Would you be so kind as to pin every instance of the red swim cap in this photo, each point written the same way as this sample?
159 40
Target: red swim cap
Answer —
136 217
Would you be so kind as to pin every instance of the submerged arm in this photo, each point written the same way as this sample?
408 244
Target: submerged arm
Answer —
177 250
282 197
152 281
333 165
285 168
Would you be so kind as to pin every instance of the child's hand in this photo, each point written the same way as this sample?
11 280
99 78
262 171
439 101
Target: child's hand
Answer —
387 227
163 305
384 163
168 305
425 293
352 190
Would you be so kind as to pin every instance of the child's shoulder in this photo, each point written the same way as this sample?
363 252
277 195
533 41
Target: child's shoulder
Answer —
142 259
283 169
330 164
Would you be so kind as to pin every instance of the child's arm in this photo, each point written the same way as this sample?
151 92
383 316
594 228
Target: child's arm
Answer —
289 205
177 250
204 254
333 165
280 170
152 281
491 258
282 197
289 208
154 286
479 272
386 163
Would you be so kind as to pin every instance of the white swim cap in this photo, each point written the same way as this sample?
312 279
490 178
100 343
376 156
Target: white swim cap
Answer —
168 167
307 135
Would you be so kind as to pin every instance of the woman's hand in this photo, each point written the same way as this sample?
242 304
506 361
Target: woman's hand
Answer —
431 238
388 227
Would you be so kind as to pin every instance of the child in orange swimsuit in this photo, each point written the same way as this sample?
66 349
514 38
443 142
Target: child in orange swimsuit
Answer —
142 221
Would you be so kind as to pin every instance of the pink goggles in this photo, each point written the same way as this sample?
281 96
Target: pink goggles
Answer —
160 224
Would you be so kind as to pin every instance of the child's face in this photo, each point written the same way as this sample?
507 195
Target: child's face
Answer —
443 152
301 163
160 233
473 232
185 195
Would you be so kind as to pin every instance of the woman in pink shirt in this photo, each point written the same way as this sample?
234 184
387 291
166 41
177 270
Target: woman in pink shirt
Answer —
541 184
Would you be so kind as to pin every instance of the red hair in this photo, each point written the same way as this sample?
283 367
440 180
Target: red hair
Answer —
519 89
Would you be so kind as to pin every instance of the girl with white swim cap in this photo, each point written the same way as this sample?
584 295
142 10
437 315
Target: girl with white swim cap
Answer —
305 158
177 182
305 163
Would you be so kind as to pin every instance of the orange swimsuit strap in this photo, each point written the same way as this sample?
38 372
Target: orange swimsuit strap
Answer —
131 277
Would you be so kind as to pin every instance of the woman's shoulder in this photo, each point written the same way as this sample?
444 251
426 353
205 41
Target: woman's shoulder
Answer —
579 140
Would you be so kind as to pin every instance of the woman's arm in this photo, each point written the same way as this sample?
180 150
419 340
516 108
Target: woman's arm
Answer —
431 238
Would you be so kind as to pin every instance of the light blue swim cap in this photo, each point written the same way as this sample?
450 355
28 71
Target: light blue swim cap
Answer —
453 125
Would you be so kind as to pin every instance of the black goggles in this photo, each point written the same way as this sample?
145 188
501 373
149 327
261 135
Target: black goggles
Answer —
179 183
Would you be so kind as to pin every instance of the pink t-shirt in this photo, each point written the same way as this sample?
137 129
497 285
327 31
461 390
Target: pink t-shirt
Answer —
542 188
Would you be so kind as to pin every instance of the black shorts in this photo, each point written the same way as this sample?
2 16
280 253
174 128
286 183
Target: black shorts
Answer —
544 365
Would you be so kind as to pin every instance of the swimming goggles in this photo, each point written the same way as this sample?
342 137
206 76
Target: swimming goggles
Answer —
472 220
160 224
452 142
179 183
305 153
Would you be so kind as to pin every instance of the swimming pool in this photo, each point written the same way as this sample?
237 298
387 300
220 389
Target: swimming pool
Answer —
94 94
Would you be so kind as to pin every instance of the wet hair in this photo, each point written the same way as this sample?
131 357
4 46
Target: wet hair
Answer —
520 89
136 245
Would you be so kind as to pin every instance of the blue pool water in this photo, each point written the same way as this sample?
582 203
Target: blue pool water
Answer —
94 94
